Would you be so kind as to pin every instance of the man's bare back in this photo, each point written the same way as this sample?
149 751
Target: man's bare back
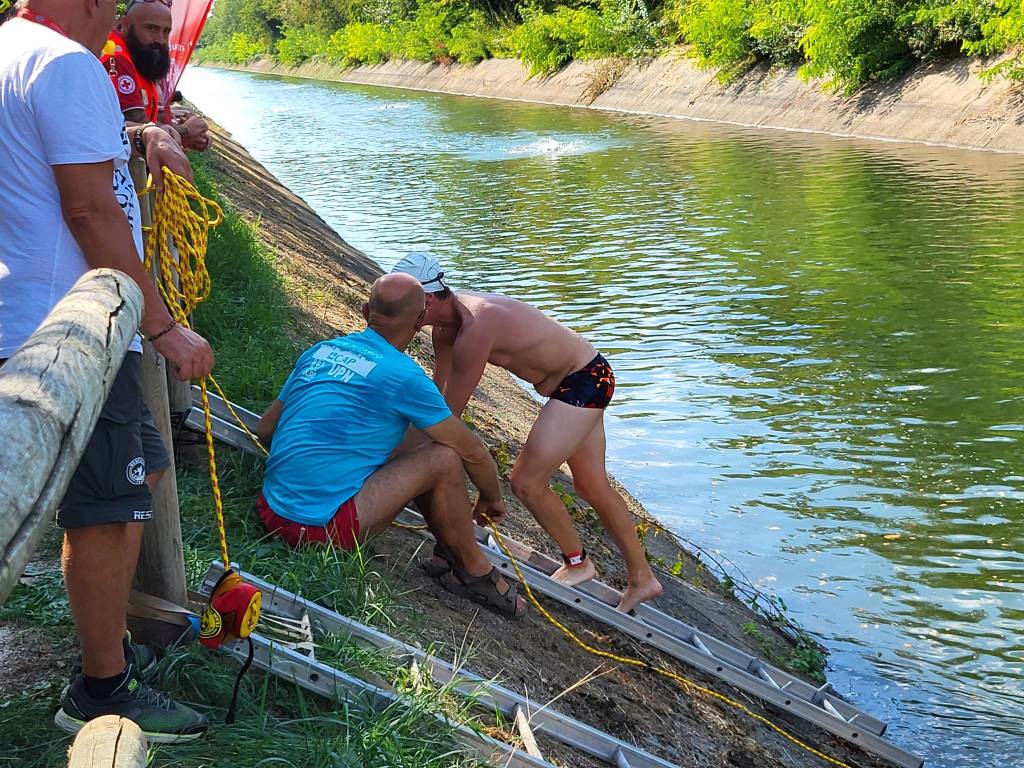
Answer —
519 338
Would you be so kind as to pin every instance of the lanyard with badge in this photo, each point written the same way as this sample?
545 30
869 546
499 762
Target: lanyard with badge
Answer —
38 18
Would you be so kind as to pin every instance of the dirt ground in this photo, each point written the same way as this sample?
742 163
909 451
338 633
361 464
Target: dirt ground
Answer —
328 281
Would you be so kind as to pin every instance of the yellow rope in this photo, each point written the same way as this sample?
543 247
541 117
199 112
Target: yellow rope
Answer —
231 409
182 220
682 681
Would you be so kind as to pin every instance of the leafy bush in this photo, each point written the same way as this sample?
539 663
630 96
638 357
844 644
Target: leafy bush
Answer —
628 30
472 40
239 48
938 28
298 45
776 27
853 41
844 42
426 37
359 43
719 31
549 41
1003 30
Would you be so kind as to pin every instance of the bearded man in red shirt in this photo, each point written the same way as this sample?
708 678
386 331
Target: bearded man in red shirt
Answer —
137 57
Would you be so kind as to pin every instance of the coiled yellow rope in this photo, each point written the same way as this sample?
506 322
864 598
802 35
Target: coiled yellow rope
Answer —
182 220
682 681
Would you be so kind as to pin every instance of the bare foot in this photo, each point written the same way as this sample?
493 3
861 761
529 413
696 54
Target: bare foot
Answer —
576 574
639 593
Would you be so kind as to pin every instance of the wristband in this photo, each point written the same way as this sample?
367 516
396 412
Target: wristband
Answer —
168 329
140 145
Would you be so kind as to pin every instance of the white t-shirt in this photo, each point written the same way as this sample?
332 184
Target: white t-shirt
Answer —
57 107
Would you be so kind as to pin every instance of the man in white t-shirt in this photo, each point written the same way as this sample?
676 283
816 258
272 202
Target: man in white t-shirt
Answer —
70 206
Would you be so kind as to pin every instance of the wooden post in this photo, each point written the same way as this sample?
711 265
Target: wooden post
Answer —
109 742
161 569
51 393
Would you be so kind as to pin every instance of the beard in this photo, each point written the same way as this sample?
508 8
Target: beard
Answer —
152 61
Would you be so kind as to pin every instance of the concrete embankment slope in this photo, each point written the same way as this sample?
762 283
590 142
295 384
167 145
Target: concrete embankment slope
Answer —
947 103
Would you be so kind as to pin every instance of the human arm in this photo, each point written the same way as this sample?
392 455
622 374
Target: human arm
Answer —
194 132
477 462
102 230
443 339
163 149
268 423
469 354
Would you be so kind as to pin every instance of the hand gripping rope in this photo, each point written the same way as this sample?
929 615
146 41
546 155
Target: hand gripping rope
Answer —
182 219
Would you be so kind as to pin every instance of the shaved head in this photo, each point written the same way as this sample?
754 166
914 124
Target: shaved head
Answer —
149 13
395 307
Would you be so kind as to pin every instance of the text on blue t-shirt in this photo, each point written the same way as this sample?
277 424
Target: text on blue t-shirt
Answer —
347 405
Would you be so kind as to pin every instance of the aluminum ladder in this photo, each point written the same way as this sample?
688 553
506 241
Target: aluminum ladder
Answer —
320 678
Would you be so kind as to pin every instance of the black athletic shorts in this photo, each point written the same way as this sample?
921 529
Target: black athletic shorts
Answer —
590 387
109 485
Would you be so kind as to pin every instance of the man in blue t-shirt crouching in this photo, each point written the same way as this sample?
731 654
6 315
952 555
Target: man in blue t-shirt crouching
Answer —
342 412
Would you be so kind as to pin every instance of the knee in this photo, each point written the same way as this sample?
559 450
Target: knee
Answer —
590 491
445 462
526 487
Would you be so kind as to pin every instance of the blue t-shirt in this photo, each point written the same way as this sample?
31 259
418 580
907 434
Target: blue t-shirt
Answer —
347 405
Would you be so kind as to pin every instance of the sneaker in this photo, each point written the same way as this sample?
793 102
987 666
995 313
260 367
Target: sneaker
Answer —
163 720
142 656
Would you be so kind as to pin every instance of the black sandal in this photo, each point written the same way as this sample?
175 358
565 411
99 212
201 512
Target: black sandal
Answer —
484 590
436 569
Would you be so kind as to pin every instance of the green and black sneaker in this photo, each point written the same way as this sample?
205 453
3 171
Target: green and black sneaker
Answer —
163 720
143 656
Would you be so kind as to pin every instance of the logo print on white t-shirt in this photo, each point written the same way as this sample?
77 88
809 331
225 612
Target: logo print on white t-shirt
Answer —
126 84
136 471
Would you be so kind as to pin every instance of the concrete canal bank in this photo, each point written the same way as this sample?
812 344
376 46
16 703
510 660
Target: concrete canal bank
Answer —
948 103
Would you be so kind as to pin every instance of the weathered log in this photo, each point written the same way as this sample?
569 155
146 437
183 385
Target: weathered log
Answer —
109 742
51 393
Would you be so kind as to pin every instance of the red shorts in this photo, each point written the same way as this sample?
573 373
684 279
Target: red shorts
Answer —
342 530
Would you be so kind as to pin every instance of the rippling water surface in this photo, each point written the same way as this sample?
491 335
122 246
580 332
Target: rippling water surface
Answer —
819 344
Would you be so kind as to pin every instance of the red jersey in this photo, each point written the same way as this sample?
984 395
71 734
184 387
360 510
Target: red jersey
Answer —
133 90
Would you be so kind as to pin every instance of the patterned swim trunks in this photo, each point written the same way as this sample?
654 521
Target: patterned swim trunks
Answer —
590 387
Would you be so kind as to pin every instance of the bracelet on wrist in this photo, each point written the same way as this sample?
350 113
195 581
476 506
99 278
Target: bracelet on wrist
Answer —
137 140
164 332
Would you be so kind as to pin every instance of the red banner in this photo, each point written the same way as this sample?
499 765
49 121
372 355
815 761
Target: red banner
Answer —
189 16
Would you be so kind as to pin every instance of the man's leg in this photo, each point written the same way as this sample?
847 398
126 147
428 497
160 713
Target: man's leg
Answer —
107 494
134 531
94 571
558 432
433 472
590 479
415 439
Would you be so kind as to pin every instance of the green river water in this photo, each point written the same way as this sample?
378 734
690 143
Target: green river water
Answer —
819 345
